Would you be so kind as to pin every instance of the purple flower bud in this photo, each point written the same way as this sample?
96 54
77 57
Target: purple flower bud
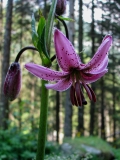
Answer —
60 7
12 82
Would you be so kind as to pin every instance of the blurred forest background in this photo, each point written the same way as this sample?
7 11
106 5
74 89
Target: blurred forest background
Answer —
93 19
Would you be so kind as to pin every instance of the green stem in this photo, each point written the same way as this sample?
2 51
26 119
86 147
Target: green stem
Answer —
42 123
44 93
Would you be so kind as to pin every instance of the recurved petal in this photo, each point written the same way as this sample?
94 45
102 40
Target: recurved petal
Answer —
100 55
90 78
44 72
66 55
61 85
96 70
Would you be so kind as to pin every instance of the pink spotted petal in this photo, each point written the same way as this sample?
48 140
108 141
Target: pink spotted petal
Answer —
100 55
66 55
98 69
90 78
44 72
62 85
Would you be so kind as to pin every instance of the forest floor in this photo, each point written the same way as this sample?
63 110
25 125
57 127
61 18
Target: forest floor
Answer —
86 148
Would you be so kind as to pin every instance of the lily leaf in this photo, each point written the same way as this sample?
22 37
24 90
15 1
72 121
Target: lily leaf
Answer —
66 19
41 45
38 39
45 59
41 25
49 25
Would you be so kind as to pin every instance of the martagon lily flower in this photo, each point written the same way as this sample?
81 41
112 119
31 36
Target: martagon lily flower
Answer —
74 75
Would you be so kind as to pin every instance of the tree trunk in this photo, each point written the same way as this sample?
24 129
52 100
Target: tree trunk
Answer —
102 86
4 105
102 109
80 40
71 25
20 113
68 116
92 105
1 28
57 116
114 101
21 26
57 113
68 105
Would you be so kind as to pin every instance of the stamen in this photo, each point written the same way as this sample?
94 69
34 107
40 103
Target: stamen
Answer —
88 91
78 94
72 96
93 94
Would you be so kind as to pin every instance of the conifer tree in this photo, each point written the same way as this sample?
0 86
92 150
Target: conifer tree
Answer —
4 107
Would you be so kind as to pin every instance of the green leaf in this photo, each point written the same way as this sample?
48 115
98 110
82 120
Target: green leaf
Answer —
49 25
41 44
66 19
45 59
41 25
38 39
34 33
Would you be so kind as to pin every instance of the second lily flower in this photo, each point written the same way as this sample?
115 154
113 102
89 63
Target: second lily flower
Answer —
74 73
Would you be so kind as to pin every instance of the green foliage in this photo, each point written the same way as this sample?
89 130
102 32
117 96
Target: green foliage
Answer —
16 145
96 142
42 38
51 148
49 25
54 157
117 153
38 38
41 25
70 157
95 146
116 143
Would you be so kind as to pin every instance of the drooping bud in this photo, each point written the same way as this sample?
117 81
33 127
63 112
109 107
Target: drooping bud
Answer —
12 82
60 7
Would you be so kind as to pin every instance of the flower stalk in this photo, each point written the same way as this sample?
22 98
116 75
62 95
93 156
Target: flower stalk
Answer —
64 24
22 50
42 134
42 122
